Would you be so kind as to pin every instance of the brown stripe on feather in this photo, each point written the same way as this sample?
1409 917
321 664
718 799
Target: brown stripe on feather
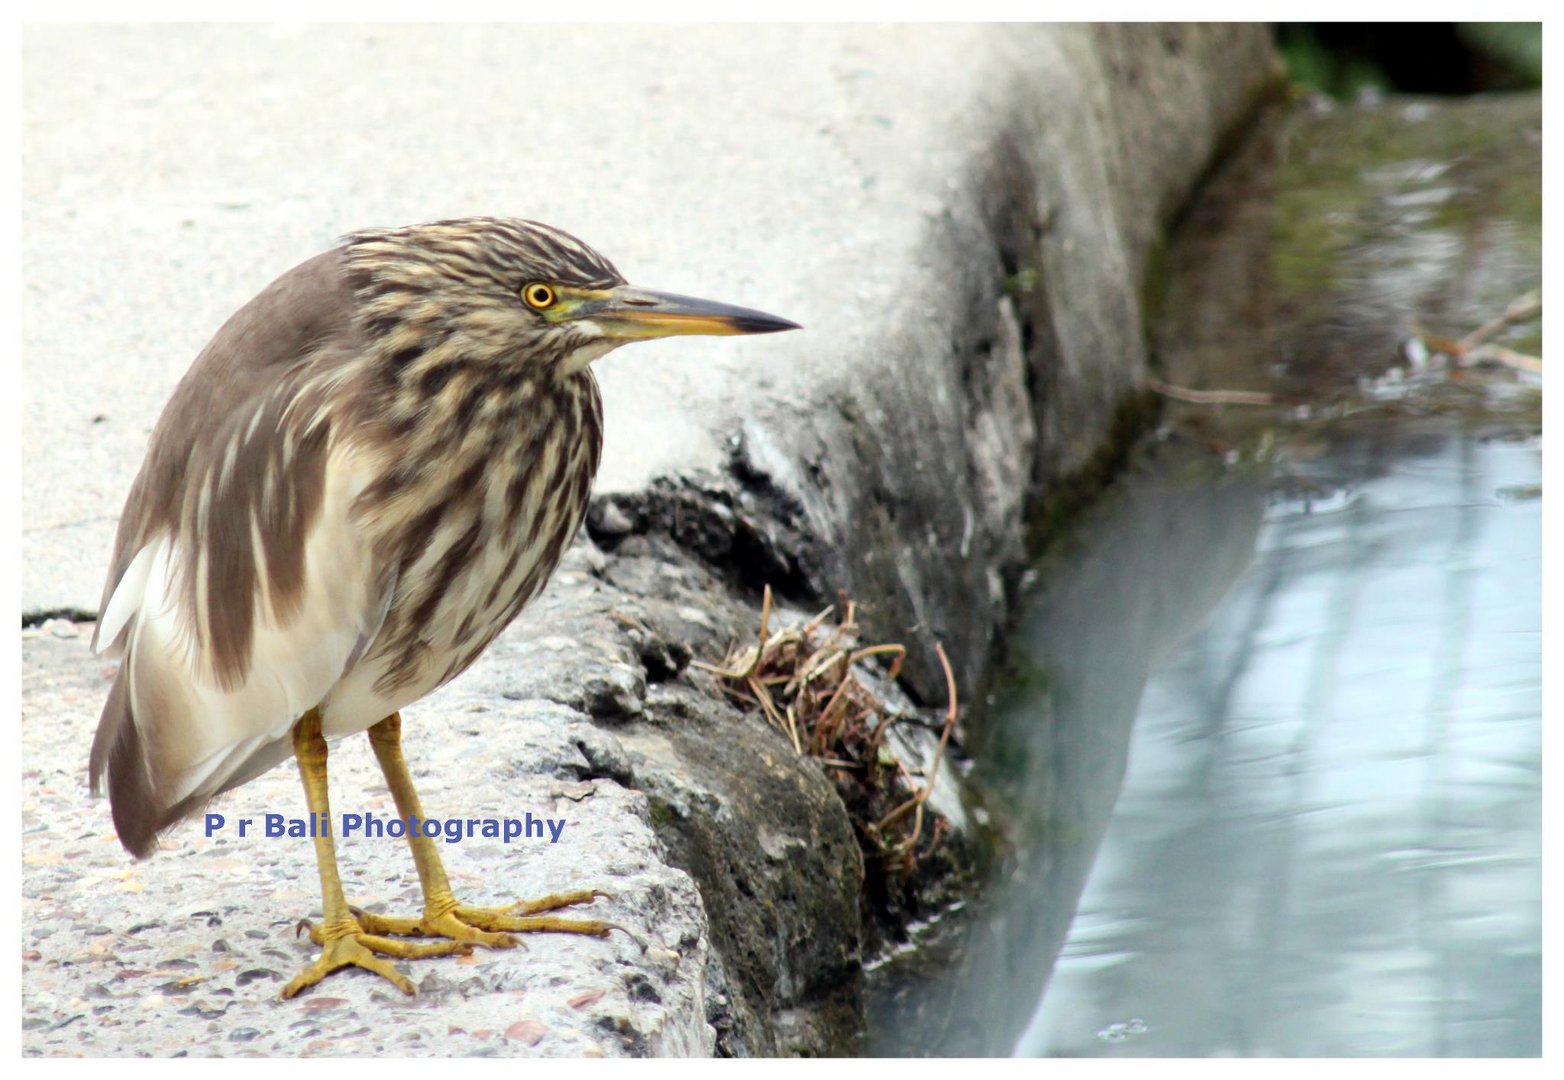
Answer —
581 487
433 380
502 578
381 325
282 511
455 561
416 538
403 357
391 483
283 536
473 397
527 458
229 615
535 579
469 482
535 525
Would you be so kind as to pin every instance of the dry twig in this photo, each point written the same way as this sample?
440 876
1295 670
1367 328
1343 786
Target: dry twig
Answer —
1212 397
806 682
1475 347
906 848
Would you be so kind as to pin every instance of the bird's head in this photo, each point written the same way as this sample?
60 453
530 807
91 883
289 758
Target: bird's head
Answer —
508 291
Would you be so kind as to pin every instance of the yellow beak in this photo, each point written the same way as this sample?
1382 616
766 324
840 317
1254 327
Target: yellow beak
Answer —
630 314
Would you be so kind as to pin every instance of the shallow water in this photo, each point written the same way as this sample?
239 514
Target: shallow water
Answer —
1328 840
1321 697
1319 691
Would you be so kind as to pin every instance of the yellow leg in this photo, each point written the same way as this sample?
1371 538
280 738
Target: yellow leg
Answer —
344 942
443 916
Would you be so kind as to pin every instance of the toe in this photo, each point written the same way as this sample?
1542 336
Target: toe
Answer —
350 951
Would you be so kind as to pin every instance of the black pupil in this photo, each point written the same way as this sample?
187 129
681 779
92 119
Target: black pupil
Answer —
540 295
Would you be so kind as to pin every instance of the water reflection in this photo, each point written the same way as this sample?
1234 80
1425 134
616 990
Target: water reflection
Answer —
1161 548
1328 841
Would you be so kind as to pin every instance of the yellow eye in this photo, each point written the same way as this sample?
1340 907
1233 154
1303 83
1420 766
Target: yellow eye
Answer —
538 295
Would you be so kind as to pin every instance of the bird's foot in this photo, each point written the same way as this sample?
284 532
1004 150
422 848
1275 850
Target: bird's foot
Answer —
493 927
349 944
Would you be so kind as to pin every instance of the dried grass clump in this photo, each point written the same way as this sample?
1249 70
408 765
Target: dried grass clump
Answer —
806 680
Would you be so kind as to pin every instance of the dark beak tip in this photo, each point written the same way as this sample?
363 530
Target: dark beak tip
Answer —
768 324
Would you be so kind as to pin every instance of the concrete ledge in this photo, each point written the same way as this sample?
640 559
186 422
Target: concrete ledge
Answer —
958 215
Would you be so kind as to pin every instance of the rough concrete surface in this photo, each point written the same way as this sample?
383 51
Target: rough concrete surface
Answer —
186 952
957 215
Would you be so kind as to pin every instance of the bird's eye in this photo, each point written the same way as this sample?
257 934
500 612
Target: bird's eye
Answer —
538 295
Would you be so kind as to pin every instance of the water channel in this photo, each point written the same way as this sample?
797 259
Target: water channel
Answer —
1268 770
1328 841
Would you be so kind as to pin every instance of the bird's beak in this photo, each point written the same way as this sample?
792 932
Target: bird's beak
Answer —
626 313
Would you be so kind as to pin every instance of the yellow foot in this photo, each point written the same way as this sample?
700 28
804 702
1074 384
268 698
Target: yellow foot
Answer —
356 948
493 927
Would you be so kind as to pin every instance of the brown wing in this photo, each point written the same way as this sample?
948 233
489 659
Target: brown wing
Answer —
231 503
236 376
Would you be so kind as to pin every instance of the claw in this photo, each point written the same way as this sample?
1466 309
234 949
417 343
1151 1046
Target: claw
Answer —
494 928
355 948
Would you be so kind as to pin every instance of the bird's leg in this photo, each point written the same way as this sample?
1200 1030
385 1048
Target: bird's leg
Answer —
343 940
443 915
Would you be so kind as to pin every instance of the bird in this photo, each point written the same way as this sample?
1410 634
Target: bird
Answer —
361 480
